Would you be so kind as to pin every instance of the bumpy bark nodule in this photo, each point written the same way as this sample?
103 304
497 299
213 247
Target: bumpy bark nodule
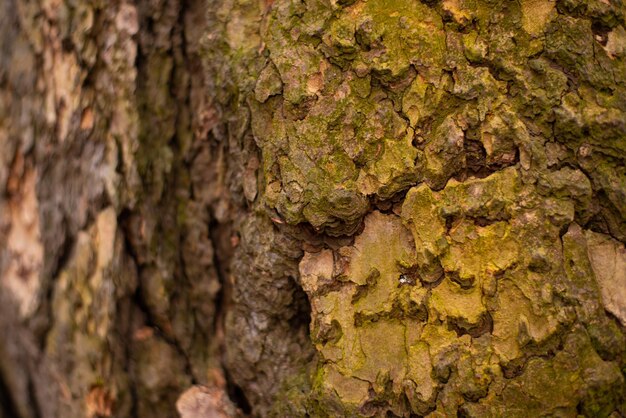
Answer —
312 208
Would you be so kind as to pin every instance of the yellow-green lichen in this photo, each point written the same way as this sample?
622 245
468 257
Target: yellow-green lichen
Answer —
492 134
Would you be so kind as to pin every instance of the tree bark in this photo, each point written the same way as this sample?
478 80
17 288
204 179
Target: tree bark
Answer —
312 208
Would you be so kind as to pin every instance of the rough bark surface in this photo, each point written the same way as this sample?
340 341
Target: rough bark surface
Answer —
108 273
312 208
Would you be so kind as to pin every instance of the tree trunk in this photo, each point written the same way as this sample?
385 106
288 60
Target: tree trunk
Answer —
312 208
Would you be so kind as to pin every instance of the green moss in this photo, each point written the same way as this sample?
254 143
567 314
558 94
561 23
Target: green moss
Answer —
495 294
505 124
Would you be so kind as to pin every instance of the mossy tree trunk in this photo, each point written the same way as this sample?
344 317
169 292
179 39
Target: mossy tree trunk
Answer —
312 208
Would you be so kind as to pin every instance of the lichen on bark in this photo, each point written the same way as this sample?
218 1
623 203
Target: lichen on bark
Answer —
460 164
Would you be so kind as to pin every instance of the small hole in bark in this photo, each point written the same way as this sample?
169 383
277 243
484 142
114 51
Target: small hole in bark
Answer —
475 156
464 282
67 45
462 412
462 327
600 33
405 279
513 368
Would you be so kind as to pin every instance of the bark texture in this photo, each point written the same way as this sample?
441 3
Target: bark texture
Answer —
109 281
312 208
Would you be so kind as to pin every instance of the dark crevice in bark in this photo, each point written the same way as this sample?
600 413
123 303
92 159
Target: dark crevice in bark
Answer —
32 393
127 348
302 316
7 405
390 204
134 407
461 327
220 261
223 301
140 303
546 350
124 221
178 96
137 301
236 394
42 321
617 322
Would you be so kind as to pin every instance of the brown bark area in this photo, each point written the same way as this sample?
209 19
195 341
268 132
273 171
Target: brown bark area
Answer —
109 283
119 197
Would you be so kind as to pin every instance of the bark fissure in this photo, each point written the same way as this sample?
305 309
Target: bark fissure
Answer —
7 405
